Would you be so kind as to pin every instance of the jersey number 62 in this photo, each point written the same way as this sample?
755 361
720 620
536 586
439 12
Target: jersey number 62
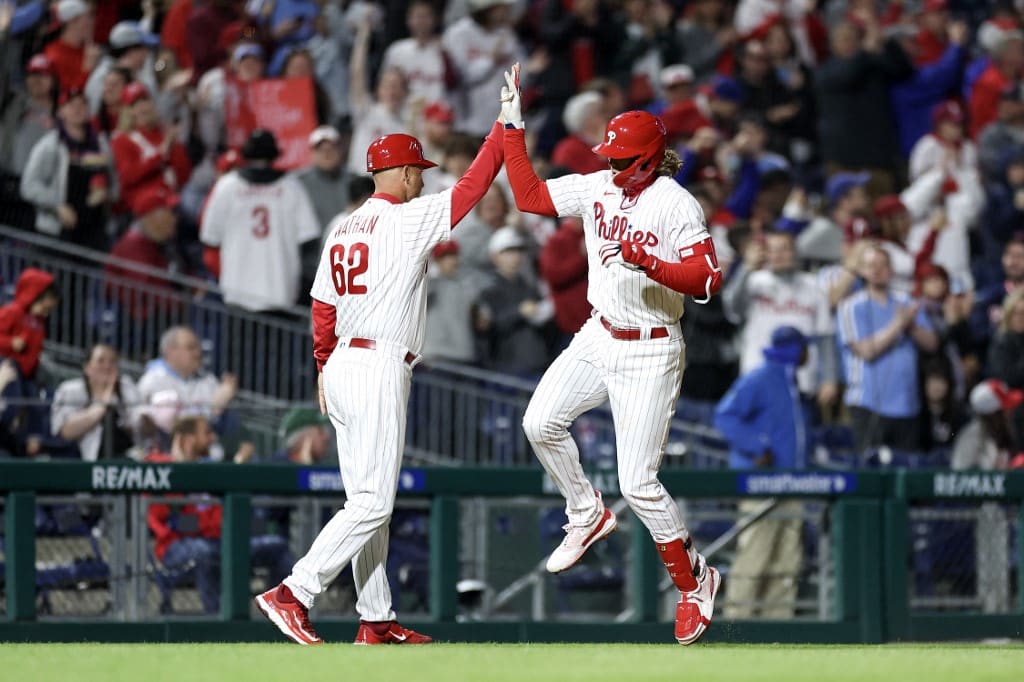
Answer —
345 271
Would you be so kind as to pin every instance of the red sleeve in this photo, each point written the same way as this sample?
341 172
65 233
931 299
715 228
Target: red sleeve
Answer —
180 164
697 275
531 194
473 184
924 256
817 34
156 519
210 520
324 337
562 261
132 169
983 106
211 259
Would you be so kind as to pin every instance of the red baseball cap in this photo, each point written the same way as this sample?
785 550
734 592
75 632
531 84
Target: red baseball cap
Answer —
440 112
447 248
935 6
152 198
69 94
40 63
133 92
395 150
949 111
888 205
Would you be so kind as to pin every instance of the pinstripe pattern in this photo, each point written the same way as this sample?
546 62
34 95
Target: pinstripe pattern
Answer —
367 392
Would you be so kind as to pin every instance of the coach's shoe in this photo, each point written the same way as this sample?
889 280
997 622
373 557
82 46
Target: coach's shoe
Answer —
388 632
281 607
579 538
695 608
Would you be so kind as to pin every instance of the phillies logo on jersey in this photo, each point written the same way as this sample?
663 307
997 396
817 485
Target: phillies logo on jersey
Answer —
618 229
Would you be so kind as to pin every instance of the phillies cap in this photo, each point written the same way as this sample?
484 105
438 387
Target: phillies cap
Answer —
39 63
992 396
152 198
440 112
841 183
68 95
324 134
66 10
130 34
948 111
676 74
505 238
445 248
133 92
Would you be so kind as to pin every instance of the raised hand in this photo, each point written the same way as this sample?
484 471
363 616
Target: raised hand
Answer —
511 103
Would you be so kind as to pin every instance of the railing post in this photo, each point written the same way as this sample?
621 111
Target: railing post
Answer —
20 555
646 574
234 547
858 551
895 548
1020 554
444 557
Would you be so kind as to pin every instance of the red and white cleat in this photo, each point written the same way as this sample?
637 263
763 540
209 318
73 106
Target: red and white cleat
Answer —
388 633
281 607
579 538
694 610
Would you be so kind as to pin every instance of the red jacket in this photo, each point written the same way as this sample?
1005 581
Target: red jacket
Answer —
575 154
139 302
162 519
142 166
67 64
563 265
16 321
984 104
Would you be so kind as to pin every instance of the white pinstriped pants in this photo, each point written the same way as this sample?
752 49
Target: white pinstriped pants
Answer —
641 380
367 394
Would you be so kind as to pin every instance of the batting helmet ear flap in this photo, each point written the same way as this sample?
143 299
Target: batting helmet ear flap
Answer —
636 134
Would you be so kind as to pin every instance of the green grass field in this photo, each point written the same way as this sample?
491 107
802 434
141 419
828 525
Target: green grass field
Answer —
499 662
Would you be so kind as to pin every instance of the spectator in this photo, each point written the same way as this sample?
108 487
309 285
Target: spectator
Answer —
942 412
766 291
23 321
512 313
677 87
179 370
564 267
1004 137
306 436
458 153
706 36
72 53
203 30
712 361
1004 211
987 315
1006 356
947 311
246 66
375 113
324 180
764 94
451 293
146 153
130 49
852 87
149 242
298 63
880 332
420 58
797 131
488 216
289 25
99 410
480 47
278 235
27 116
932 37
437 119
1003 72
650 43
69 177
762 419
188 536
585 119
108 114
894 229
990 440
848 209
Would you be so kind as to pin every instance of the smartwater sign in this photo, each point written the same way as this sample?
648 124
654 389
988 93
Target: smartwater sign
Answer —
969 485
797 484
326 480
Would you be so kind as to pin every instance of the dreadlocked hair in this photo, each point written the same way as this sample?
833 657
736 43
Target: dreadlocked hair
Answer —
670 164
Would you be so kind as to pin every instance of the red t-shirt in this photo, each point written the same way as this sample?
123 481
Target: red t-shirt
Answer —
67 64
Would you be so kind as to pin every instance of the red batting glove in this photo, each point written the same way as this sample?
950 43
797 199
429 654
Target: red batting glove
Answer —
635 255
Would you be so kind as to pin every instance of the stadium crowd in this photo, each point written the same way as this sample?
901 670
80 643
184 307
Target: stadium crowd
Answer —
860 165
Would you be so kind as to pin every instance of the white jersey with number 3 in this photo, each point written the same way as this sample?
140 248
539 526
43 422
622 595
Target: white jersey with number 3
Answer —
665 219
374 264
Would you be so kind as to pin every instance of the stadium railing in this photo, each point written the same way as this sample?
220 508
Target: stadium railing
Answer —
869 531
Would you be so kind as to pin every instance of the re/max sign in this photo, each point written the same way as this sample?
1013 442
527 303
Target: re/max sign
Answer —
113 477
969 485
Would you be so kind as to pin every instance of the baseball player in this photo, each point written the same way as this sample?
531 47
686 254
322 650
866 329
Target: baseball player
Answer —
369 305
648 245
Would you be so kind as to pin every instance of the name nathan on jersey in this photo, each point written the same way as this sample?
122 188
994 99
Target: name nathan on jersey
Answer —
618 229
356 225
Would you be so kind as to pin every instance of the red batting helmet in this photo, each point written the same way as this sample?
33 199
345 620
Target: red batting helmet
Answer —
394 151
635 135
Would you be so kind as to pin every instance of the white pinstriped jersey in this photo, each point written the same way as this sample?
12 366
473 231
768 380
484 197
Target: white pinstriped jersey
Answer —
373 268
665 219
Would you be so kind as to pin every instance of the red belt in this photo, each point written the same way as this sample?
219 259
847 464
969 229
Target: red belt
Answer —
370 344
633 334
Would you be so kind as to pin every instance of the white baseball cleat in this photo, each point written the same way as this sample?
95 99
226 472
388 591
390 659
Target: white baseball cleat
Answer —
579 538
694 610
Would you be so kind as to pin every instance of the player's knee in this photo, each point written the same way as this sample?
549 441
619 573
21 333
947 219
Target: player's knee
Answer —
639 490
541 428
373 510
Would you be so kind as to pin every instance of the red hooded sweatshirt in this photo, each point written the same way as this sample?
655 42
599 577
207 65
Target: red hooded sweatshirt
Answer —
16 321
161 518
